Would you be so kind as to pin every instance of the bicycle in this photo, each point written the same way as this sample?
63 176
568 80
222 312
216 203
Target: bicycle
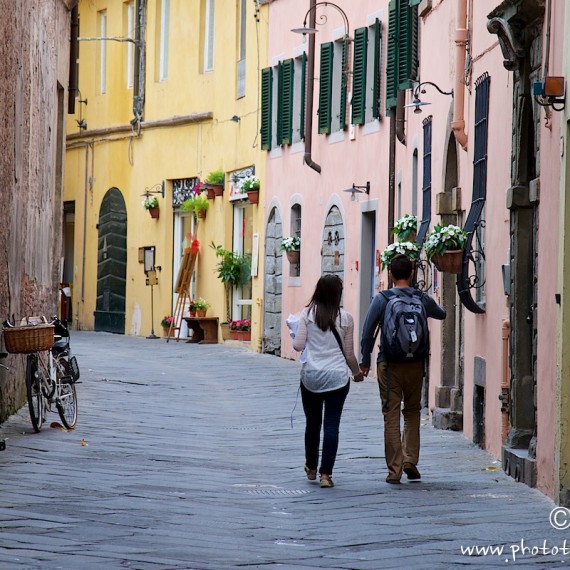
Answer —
51 372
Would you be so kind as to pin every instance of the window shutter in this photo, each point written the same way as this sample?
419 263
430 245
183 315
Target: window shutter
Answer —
414 3
279 125
286 111
325 88
359 75
407 45
377 75
391 61
343 85
303 94
266 108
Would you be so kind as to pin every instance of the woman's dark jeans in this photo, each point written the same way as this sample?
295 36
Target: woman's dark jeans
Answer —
313 405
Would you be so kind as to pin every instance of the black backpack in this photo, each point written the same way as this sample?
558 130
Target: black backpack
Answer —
405 335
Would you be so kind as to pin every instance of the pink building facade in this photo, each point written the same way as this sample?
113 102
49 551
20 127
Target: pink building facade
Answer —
484 155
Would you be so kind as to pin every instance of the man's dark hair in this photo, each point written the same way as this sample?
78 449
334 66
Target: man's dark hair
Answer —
401 267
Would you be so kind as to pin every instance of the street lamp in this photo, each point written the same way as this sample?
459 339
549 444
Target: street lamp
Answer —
323 20
417 103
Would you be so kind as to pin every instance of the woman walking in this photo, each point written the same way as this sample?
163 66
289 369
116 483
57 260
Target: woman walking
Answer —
327 333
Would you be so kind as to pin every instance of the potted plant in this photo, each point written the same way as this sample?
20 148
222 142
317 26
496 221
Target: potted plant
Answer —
444 246
406 228
292 247
151 204
234 269
192 308
216 180
409 248
201 306
250 186
197 204
167 325
240 330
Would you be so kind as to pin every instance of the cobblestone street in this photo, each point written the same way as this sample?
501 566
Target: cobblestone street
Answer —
184 458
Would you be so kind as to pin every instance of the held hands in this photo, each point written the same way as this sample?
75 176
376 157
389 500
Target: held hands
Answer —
364 370
358 377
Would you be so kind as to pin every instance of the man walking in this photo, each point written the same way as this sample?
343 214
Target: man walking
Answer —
401 312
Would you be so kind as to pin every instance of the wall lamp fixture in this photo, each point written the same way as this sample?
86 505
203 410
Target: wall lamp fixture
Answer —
156 189
417 103
358 190
549 92
323 20
81 122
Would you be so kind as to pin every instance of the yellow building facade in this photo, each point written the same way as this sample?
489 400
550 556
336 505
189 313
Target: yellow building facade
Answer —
168 93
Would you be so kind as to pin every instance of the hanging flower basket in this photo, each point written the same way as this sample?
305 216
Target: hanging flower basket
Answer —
449 262
293 255
218 189
211 193
201 214
154 213
253 196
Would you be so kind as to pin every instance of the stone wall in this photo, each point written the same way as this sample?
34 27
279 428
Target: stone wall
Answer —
34 59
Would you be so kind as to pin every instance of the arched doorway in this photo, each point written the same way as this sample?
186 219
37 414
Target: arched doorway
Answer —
332 252
273 277
111 264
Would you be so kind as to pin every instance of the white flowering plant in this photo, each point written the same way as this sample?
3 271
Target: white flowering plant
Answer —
250 184
405 227
444 238
149 203
409 248
291 243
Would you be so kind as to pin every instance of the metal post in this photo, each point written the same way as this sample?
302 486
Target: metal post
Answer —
151 335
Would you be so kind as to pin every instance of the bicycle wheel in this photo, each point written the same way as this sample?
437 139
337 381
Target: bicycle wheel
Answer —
66 403
34 393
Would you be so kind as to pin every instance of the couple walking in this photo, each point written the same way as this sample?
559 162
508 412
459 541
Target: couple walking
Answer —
326 335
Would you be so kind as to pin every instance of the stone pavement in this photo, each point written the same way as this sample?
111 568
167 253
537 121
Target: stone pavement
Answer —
190 462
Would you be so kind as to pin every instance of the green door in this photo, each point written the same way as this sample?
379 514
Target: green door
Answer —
111 264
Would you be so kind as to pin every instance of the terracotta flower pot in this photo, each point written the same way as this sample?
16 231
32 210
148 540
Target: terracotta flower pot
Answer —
218 189
294 256
202 214
449 262
240 335
211 193
253 196
166 332
192 313
154 213
225 331
201 312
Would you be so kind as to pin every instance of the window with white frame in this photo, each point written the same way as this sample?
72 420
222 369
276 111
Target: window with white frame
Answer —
209 35
367 74
130 33
164 33
332 86
103 53
242 19
243 244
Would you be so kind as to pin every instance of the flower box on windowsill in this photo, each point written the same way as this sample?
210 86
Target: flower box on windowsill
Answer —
240 335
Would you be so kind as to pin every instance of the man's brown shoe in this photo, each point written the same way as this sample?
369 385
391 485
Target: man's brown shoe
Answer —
412 472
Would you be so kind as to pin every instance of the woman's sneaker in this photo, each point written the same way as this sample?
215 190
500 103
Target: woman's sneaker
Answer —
326 481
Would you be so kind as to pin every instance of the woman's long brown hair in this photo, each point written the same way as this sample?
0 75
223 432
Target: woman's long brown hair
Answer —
326 301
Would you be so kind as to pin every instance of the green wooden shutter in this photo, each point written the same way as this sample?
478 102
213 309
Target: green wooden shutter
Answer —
359 75
303 94
325 88
287 79
391 59
279 125
343 85
407 45
414 3
377 76
266 107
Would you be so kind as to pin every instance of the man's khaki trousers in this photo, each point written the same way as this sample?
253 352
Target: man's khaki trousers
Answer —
405 385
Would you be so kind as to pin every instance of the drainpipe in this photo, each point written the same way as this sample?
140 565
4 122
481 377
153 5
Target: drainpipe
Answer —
310 92
460 38
505 389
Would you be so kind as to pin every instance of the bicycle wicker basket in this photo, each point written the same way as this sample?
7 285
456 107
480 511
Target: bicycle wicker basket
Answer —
22 340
